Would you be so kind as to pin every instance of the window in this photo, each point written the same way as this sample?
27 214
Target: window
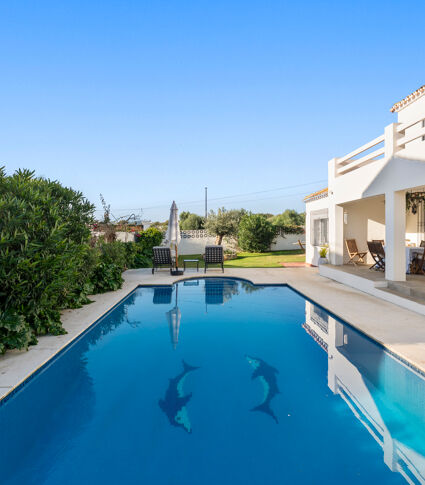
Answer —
320 232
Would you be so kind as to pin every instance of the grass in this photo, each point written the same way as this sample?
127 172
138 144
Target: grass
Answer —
273 259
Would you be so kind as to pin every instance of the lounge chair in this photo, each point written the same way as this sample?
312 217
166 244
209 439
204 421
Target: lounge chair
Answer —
214 255
161 257
354 253
377 252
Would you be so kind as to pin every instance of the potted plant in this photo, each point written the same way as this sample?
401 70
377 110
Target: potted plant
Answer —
323 252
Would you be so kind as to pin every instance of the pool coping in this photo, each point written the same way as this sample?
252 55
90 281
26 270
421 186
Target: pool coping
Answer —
131 286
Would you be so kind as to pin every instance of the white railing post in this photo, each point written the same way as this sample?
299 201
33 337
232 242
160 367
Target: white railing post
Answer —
390 141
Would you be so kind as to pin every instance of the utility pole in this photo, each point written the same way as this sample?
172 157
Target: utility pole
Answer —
206 202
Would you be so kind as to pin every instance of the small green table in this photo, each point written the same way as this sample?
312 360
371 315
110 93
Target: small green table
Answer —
191 261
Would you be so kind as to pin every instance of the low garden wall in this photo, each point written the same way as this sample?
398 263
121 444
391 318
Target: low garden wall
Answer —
194 242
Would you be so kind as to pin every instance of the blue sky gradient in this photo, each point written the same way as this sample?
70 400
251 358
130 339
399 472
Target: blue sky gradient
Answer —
146 102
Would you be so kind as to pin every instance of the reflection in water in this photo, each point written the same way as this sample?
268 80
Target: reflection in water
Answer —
267 376
173 318
174 402
218 291
385 395
162 295
35 411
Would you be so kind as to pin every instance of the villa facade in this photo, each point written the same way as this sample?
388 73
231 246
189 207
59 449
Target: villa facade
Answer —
366 198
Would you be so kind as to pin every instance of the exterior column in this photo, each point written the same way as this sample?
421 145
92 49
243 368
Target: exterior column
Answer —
336 234
395 236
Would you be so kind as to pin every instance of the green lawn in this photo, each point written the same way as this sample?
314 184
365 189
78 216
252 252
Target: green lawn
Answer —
254 260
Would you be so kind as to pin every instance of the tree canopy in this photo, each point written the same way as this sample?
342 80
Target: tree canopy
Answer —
224 223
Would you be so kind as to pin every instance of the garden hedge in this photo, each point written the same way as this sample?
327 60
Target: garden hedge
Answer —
48 261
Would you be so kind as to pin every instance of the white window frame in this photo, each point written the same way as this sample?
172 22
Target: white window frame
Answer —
320 231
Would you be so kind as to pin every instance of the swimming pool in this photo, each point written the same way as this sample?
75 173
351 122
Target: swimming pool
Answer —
217 381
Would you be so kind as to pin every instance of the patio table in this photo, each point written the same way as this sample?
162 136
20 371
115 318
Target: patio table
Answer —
411 252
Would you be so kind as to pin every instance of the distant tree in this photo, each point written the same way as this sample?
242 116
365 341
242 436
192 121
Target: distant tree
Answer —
224 223
191 221
184 215
256 233
289 217
162 226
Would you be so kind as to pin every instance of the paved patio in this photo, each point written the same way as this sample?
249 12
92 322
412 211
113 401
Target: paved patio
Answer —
400 330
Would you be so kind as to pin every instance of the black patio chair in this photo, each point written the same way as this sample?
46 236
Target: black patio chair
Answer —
214 255
377 252
161 258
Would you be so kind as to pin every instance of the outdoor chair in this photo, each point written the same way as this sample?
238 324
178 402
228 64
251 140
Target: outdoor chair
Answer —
214 255
355 255
161 257
377 252
418 264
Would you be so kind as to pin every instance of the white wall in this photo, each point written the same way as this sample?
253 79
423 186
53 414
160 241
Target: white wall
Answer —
314 209
287 243
194 242
365 222
121 236
197 242
412 112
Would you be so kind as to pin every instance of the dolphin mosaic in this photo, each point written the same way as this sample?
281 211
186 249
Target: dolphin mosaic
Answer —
174 402
267 376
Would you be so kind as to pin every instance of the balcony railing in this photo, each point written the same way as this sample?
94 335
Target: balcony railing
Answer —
395 138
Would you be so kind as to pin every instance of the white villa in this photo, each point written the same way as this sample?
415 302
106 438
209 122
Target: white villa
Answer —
366 200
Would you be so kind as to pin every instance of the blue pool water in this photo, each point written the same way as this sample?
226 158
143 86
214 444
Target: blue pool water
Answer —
217 382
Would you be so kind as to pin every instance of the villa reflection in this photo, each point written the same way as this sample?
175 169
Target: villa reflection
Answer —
383 393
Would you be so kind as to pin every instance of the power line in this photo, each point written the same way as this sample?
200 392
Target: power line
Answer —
198 201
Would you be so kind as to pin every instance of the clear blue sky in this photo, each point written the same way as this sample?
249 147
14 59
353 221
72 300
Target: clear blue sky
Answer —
149 101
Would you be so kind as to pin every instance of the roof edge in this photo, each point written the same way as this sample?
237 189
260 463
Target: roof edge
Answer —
408 99
320 194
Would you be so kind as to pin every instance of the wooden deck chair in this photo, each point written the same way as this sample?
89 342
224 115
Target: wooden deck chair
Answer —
355 255
418 264
377 252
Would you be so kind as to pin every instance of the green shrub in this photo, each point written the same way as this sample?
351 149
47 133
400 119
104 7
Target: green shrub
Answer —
256 233
111 261
140 252
190 221
48 260
44 256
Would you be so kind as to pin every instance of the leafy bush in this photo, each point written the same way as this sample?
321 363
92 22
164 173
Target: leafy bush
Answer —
289 217
111 261
191 222
140 252
256 233
44 255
